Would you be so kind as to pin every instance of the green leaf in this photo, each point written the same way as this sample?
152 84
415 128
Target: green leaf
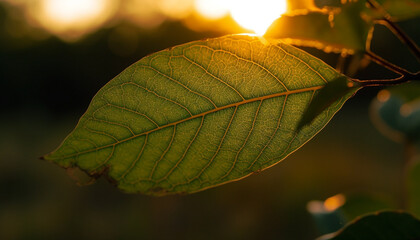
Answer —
380 226
329 94
338 31
199 115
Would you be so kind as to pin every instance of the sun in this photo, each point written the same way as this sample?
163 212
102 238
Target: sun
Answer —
257 15
254 15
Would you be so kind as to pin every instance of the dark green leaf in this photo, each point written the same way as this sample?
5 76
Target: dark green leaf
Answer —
358 204
380 226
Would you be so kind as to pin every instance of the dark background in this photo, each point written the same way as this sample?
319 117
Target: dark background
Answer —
47 84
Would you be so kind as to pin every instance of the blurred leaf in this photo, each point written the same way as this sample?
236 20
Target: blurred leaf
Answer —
336 25
398 9
340 30
328 222
358 205
327 214
396 112
401 9
199 115
409 92
380 226
333 91
413 187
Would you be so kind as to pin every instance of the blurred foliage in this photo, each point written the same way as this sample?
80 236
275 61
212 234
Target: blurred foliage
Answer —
336 25
396 112
398 9
413 186
401 9
336 31
380 226
360 204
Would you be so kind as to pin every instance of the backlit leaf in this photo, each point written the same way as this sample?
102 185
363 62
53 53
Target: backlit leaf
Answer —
199 115
340 30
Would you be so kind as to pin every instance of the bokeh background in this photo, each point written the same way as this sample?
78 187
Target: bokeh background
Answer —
56 54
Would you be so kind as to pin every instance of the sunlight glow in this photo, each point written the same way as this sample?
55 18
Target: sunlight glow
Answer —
144 13
257 15
175 9
73 11
212 9
73 18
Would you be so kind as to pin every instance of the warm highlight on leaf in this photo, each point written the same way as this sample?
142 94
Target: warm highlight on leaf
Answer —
338 31
199 115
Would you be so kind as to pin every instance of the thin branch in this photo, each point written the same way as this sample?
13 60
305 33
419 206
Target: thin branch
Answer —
379 60
414 48
389 82
387 21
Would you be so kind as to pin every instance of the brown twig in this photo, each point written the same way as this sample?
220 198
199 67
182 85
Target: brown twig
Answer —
388 82
379 60
395 29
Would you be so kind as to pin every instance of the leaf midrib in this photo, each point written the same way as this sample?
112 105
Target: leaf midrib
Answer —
197 116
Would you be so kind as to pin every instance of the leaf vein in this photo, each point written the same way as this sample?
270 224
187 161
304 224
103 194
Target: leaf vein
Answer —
272 136
159 96
249 61
245 142
203 114
214 76
179 83
184 154
136 160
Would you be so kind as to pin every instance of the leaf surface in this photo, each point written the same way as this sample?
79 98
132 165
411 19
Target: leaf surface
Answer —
199 115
